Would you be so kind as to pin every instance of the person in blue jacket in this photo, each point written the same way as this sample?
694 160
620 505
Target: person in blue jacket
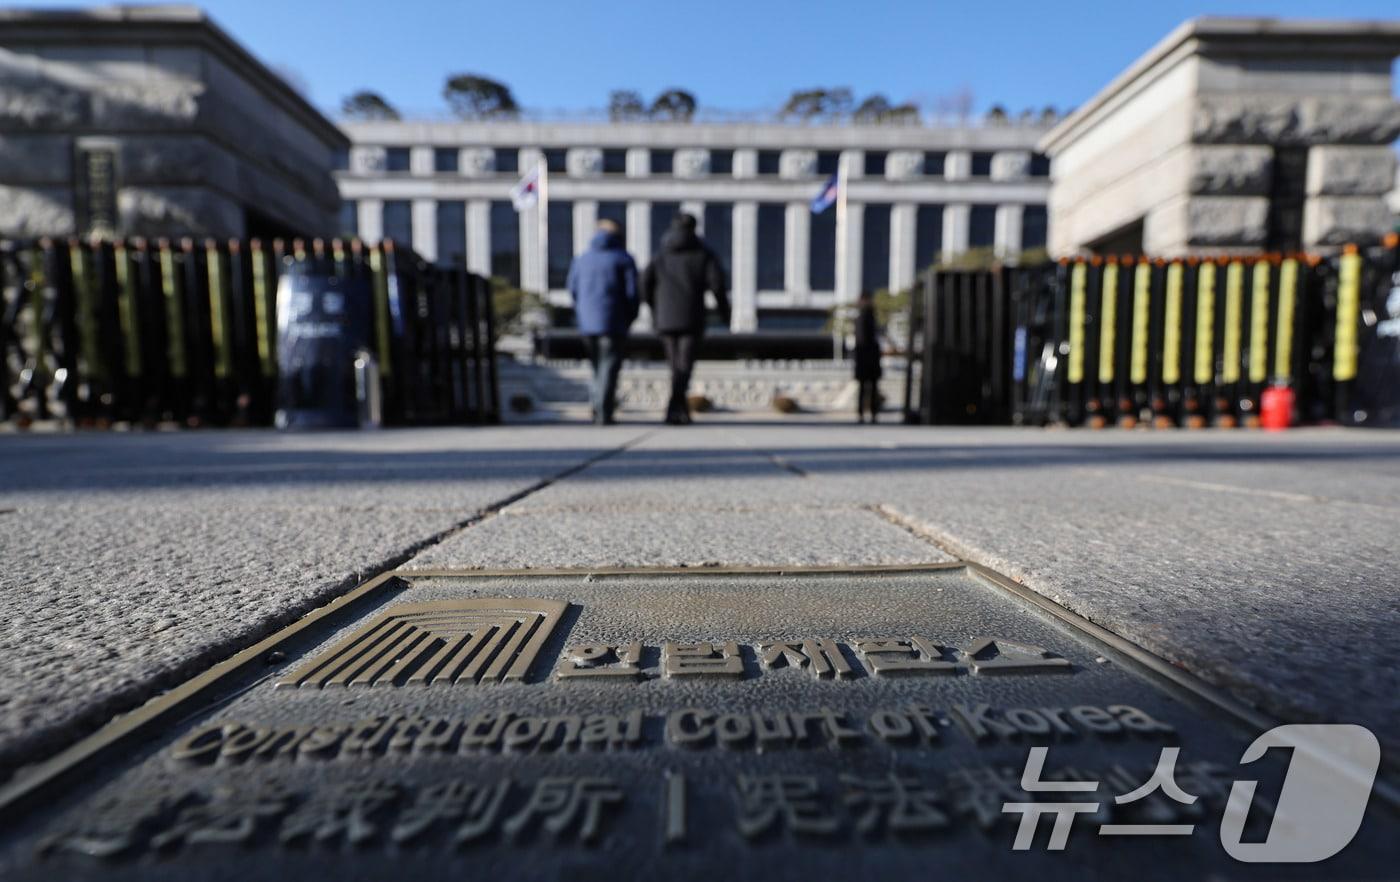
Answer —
603 283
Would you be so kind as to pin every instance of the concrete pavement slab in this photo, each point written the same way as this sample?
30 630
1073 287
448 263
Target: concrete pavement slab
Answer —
132 561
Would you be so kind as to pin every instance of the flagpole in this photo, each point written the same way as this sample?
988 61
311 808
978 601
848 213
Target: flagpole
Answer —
842 283
543 207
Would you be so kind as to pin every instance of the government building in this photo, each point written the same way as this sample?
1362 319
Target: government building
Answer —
914 193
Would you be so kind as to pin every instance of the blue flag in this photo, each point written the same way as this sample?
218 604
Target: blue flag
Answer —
828 194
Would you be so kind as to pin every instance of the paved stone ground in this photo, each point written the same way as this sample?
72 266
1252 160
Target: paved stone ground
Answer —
1265 563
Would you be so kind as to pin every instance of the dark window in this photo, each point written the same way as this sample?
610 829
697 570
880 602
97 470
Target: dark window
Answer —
398 222
445 159
981 165
451 232
340 159
875 163
396 159
933 164
821 253
982 226
505 242
719 230
772 246
507 160
662 213
721 162
768 162
556 160
614 162
928 236
1035 223
662 161
875 248
561 242
615 212
828 161
1040 165
349 222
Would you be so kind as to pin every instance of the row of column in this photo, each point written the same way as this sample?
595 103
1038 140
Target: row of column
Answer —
743 259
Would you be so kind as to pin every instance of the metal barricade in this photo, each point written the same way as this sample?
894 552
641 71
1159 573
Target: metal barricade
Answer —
149 331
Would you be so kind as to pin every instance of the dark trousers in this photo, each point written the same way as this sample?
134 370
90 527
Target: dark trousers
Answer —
868 401
680 354
606 352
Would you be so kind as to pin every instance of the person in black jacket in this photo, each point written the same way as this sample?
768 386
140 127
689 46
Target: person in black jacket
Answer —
674 285
867 358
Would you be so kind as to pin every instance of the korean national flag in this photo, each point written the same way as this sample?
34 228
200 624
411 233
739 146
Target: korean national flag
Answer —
826 197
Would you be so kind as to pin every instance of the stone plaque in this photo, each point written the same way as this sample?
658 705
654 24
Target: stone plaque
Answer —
768 724
96 189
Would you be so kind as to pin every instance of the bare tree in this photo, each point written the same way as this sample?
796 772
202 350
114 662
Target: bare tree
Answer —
956 104
673 104
472 96
625 104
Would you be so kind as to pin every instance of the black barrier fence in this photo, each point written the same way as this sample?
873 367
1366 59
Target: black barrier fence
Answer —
149 331
1187 342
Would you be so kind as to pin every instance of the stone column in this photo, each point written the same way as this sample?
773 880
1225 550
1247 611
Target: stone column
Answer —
585 223
531 256
425 228
638 163
957 221
957 165
371 221
848 289
695 209
903 217
479 237
639 244
1008 230
745 163
421 161
797 246
744 293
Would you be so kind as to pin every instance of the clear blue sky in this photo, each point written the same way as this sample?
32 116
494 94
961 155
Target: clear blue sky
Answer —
733 54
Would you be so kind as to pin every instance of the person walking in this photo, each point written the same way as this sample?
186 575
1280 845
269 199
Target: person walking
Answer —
603 284
867 359
674 286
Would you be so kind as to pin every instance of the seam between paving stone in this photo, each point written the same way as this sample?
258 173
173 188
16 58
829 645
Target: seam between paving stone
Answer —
114 704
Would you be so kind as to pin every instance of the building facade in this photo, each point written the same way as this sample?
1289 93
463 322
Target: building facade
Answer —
914 193
151 121
1234 135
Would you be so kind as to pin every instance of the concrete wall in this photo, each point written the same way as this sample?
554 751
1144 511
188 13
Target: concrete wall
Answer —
1184 142
201 132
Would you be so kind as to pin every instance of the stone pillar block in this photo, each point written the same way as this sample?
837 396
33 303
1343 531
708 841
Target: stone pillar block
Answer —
371 219
1348 170
1008 230
638 162
1233 170
1011 165
904 165
798 244
797 164
584 162
745 282
477 162
368 160
903 219
691 163
1332 221
1227 221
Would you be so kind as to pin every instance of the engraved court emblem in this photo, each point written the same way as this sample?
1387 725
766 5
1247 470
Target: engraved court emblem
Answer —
481 640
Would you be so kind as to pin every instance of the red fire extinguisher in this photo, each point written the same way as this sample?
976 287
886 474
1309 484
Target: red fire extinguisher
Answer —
1276 407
